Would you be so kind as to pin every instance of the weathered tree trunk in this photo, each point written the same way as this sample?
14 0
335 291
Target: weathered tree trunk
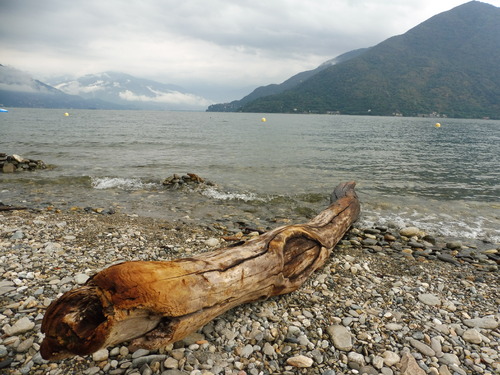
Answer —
156 303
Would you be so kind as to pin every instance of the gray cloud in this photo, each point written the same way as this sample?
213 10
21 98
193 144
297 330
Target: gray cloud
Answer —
192 42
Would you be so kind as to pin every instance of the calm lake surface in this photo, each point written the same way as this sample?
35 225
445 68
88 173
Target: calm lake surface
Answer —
445 180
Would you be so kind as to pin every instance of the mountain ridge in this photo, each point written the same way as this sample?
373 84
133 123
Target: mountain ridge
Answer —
106 90
132 92
285 85
447 65
19 89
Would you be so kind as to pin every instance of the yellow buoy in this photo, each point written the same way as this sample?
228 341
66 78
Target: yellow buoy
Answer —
66 114
438 125
263 119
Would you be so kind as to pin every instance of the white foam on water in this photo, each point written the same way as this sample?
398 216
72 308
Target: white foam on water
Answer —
440 224
102 183
221 195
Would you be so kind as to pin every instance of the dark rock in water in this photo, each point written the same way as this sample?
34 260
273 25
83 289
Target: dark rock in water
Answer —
417 245
109 211
448 258
429 238
471 254
369 242
8 168
371 231
456 245
190 179
424 254
397 246
494 257
375 249
13 163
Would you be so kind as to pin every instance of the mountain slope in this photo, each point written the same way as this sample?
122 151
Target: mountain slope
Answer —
446 65
19 89
132 92
290 83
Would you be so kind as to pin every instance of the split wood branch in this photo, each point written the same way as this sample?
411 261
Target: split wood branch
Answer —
154 303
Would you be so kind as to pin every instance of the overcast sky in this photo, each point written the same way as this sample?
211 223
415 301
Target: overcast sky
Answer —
221 48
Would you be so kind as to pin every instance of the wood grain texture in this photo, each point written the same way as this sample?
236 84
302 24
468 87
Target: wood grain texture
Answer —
154 303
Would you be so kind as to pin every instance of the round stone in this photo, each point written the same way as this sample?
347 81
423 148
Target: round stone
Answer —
356 358
81 278
409 231
212 242
101 355
300 361
390 358
341 337
472 336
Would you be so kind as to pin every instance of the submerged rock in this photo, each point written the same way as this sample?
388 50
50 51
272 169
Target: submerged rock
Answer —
190 179
13 163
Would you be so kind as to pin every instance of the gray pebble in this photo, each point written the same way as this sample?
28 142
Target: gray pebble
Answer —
25 345
448 258
429 299
140 353
472 336
422 348
449 358
486 322
246 351
21 326
269 350
18 234
455 245
341 337
174 372
139 361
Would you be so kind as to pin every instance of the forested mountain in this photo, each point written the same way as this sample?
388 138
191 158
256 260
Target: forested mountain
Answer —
447 65
271 89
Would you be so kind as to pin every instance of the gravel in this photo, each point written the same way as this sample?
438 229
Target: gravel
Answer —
389 301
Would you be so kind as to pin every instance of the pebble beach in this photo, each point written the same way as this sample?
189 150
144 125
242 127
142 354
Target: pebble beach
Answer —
389 301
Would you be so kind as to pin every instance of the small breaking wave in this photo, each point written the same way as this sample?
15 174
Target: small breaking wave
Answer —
221 195
478 228
103 183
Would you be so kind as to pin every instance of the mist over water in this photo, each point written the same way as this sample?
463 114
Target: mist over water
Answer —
445 180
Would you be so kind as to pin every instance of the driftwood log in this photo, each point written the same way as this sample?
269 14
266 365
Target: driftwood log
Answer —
154 303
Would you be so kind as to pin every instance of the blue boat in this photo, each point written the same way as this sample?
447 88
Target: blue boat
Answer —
3 110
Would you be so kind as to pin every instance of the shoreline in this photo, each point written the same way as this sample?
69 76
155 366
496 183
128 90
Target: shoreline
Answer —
382 302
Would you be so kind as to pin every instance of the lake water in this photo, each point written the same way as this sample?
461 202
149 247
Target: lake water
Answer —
445 180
